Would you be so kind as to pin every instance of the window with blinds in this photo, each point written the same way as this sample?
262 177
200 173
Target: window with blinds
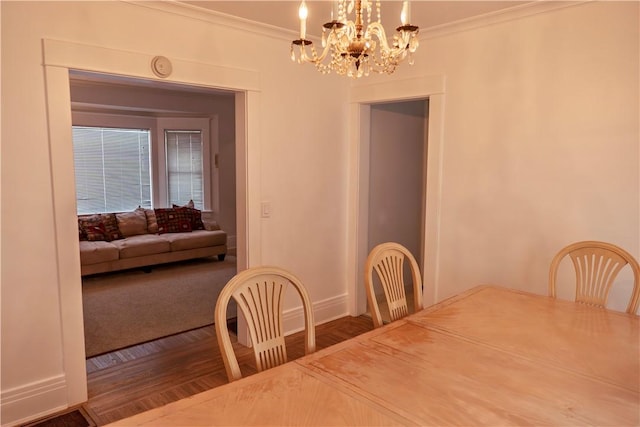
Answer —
184 154
112 167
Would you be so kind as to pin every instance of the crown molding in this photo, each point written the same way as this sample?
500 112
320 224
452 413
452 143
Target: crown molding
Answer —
259 28
492 18
223 19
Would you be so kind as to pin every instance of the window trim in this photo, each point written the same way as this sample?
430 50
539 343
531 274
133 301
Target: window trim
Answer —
209 173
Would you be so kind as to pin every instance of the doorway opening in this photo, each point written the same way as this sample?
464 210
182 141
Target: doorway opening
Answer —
397 173
114 318
397 177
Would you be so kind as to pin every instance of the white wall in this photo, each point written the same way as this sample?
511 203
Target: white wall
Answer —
540 149
541 142
302 159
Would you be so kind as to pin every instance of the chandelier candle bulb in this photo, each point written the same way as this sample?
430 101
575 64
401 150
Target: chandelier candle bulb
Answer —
335 14
303 13
405 15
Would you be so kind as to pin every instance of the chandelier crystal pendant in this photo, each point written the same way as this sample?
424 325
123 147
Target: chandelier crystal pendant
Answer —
352 49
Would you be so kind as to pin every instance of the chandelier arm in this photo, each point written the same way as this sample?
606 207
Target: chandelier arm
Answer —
314 58
376 29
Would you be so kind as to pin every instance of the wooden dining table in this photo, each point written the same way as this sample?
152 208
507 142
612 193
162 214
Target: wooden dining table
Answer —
489 356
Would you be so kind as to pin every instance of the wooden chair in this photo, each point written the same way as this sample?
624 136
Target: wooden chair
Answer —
259 293
596 265
387 259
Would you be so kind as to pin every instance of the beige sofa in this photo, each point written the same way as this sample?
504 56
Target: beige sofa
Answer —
118 241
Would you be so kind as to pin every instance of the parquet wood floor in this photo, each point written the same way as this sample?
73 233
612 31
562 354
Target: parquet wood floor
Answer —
145 376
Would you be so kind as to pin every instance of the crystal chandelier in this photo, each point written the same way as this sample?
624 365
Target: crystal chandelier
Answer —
352 49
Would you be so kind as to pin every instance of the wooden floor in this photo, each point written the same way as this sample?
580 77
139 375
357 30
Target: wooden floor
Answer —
133 380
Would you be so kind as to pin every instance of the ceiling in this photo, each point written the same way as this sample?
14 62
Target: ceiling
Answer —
426 14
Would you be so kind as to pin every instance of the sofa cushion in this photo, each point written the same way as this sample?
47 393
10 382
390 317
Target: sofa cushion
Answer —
132 223
97 251
141 245
209 222
195 239
172 220
211 225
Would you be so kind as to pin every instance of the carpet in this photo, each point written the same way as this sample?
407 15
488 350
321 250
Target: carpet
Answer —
131 307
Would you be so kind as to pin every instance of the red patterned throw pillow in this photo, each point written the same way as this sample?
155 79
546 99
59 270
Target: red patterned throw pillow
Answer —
82 235
93 228
173 220
196 219
111 227
195 214
99 227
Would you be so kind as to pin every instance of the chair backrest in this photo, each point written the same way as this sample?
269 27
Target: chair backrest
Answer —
387 259
596 265
259 293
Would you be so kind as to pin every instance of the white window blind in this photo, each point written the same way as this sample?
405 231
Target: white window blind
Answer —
112 167
185 179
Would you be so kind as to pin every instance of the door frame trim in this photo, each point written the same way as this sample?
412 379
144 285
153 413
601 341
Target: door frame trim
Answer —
361 98
58 58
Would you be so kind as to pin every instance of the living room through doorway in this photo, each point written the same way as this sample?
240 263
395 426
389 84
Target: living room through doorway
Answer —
128 98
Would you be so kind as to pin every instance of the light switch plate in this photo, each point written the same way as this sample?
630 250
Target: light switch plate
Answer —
265 209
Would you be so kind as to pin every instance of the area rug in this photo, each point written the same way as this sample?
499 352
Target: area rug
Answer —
131 307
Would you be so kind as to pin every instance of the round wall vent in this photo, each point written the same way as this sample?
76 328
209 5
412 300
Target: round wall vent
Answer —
161 66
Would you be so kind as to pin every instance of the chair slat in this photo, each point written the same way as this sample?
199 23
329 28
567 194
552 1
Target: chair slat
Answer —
596 266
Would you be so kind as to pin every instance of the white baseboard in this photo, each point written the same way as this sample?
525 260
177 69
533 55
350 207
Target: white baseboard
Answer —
323 312
32 401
